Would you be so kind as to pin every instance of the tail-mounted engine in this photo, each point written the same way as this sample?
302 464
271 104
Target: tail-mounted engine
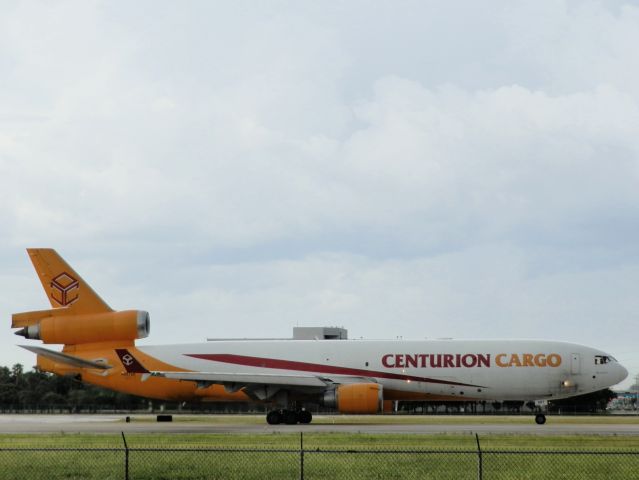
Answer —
355 398
89 328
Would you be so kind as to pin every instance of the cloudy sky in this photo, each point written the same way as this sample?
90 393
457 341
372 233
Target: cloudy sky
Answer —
416 169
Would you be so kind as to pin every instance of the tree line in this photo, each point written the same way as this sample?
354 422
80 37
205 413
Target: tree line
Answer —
39 391
595 402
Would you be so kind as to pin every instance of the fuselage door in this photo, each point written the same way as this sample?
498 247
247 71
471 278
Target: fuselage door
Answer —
575 364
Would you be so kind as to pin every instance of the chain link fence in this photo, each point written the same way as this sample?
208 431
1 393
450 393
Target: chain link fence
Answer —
136 463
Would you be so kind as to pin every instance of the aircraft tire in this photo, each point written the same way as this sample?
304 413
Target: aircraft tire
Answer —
540 419
290 417
274 417
305 417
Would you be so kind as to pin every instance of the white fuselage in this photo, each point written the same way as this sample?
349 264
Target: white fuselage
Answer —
453 369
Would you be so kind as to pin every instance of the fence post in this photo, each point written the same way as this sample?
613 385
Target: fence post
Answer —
301 455
480 465
126 458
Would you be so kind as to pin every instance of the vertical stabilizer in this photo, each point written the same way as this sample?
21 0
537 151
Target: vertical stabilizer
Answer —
63 286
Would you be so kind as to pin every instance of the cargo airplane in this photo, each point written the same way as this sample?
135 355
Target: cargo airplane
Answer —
351 376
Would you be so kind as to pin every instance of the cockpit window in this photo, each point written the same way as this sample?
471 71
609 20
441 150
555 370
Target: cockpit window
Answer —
603 359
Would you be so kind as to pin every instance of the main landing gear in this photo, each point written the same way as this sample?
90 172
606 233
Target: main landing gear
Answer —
289 417
540 419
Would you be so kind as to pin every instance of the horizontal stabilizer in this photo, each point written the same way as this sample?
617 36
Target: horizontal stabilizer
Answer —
60 357
245 378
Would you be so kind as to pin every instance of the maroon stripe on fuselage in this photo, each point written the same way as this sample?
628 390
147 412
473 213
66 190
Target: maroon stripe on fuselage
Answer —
314 367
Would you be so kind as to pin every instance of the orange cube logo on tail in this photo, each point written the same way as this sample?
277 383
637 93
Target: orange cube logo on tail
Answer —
65 289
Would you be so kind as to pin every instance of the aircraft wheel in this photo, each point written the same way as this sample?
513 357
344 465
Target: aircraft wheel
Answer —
305 416
274 417
540 419
290 417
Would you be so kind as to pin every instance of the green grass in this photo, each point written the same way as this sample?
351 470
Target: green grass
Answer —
352 456
351 441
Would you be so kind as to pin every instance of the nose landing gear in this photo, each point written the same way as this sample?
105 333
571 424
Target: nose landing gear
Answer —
540 419
289 417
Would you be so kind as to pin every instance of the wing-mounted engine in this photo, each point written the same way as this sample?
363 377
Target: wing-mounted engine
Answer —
355 398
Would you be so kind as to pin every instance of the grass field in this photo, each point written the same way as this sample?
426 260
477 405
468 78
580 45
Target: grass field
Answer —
322 440
326 455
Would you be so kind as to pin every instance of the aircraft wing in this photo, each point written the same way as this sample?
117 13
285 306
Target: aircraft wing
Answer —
66 359
246 378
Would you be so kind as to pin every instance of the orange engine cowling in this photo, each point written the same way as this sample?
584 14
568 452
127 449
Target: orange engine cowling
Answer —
101 327
355 398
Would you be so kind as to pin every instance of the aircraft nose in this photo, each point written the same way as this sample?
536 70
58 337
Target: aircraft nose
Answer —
622 373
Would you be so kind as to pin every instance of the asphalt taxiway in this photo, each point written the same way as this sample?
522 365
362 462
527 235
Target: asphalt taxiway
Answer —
21 423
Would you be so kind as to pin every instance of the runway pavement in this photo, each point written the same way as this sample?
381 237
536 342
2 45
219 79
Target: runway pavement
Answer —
10 423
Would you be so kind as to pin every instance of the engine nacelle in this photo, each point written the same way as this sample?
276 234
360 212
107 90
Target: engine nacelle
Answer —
101 327
355 398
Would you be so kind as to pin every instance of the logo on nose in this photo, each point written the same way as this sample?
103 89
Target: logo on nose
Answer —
64 289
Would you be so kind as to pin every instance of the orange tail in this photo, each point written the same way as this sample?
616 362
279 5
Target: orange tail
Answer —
78 315
63 286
